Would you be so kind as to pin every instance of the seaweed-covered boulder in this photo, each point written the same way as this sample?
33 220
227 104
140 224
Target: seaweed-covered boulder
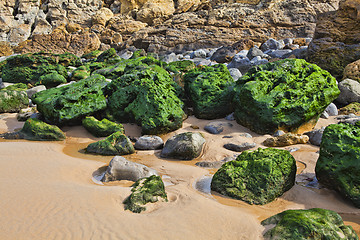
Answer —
338 165
115 144
314 223
146 190
35 129
122 169
184 146
146 95
13 101
210 89
288 94
81 72
71 103
101 128
28 68
51 79
16 87
256 177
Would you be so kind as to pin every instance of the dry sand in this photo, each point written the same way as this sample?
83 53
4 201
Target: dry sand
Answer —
47 191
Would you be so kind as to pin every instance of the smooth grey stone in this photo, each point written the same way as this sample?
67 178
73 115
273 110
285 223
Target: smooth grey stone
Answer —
349 91
199 53
216 127
30 92
332 110
280 53
247 135
125 54
230 117
216 164
242 53
254 52
278 133
255 59
148 142
315 136
324 115
292 149
239 147
123 169
235 73
172 57
272 44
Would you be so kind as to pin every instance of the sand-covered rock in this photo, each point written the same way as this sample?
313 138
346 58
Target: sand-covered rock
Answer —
288 94
256 177
210 89
314 223
71 103
146 190
338 165
101 128
115 144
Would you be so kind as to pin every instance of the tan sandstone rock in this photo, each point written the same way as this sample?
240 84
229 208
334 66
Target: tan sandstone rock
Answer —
286 140
102 16
153 9
352 71
5 49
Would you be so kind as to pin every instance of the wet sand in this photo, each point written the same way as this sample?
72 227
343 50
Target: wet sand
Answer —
47 191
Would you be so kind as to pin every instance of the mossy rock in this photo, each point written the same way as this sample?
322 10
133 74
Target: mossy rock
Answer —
13 101
338 165
28 68
314 223
210 89
107 55
101 128
350 108
146 95
51 80
256 177
92 55
183 66
37 130
115 144
80 73
146 190
71 103
16 87
283 95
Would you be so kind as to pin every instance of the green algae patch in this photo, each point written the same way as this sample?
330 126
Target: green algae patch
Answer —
338 165
16 87
350 108
13 101
51 80
210 89
92 55
256 177
71 103
101 128
314 223
183 66
37 130
80 73
146 190
28 68
115 144
283 95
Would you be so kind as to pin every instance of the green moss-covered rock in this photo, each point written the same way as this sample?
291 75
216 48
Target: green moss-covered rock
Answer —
92 55
283 95
13 101
28 68
51 80
338 166
256 177
35 129
210 90
146 95
107 55
350 108
71 103
101 128
180 66
314 223
146 190
16 87
115 144
80 73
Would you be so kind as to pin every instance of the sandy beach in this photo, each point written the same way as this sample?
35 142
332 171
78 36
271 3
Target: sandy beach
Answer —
48 191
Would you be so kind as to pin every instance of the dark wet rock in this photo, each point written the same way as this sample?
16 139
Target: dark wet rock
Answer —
71 103
122 169
115 144
144 191
338 165
315 223
239 147
216 127
148 142
315 136
210 90
256 177
286 140
101 128
184 146
13 101
288 94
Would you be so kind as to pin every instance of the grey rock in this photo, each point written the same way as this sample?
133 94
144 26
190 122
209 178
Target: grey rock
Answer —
288 41
216 164
272 44
30 92
239 147
235 73
332 110
242 53
172 57
199 53
125 54
247 135
349 91
280 53
184 146
230 117
122 169
148 142
298 53
254 52
279 133
216 127
324 115
315 136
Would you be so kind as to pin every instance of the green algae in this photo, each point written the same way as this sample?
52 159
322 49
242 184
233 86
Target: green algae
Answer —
37 130
115 144
101 128
13 101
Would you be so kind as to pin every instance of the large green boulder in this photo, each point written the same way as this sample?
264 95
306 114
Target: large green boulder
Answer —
287 95
314 223
35 129
115 144
28 68
256 177
210 89
51 79
101 128
145 94
71 103
338 165
13 101
146 190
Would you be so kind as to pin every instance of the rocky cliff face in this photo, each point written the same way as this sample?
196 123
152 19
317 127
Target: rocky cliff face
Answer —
163 24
